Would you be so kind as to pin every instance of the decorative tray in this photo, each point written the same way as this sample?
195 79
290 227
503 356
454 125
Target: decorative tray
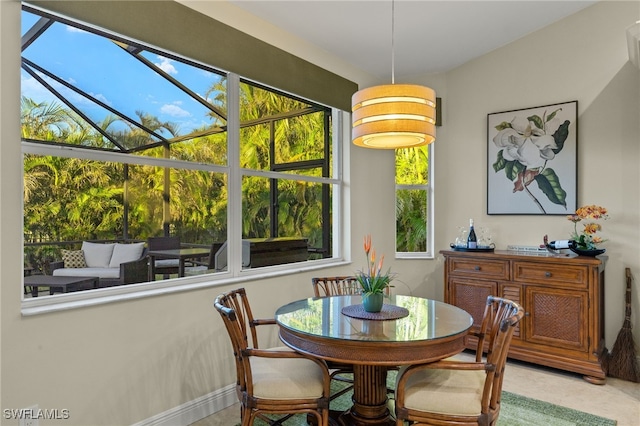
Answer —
479 249
388 312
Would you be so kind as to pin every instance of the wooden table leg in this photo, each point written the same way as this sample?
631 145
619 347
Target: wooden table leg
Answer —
181 267
369 398
152 268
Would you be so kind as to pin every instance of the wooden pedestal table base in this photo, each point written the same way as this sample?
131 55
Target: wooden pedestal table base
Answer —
369 398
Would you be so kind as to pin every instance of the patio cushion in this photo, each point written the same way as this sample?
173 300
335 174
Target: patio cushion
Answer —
87 272
167 262
97 255
125 253
73 259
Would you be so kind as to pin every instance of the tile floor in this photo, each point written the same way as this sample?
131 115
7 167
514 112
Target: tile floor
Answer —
617 399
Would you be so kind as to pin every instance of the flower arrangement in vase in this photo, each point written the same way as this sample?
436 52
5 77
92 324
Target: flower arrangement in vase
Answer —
586 241
373 281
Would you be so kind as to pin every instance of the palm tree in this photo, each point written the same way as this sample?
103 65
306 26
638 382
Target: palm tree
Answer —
411 204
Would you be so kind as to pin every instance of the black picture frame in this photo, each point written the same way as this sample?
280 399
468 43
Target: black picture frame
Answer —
532 156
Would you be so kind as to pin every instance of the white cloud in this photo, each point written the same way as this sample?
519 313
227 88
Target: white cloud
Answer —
101 97
74 29
174 111
165 65
31 88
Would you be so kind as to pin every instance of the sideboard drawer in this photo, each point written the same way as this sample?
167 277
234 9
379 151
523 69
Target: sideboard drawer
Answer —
480 268
540 273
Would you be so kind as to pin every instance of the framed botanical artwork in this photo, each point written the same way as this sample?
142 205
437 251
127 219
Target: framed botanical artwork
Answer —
532 159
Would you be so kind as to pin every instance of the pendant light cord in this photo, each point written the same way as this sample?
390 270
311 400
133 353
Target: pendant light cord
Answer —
393 77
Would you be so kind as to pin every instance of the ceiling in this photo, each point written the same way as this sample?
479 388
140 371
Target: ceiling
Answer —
428 36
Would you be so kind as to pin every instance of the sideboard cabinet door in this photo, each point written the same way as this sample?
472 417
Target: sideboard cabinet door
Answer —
557 318
467 293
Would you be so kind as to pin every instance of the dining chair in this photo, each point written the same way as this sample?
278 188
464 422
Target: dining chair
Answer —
165 267
271 381
456 391
334 286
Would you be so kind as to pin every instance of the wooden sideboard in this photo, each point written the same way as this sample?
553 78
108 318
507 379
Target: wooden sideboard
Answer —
562 296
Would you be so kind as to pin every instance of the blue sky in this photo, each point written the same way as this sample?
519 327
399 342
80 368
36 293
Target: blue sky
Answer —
102 69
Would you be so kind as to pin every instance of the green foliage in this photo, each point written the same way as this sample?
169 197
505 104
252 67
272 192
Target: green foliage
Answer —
511 168
549 184
70 199
503 125
560 136
411 227
412 167
373 280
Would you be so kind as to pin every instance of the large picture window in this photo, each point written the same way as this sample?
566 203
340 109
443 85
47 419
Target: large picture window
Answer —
123 142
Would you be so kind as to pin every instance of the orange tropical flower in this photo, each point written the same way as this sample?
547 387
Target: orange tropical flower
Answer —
587 240
592 228
367 243
373 280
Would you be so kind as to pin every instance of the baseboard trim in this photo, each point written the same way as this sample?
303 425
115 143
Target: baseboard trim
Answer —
197 409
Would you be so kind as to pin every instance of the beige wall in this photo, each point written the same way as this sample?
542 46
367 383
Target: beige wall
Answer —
583 58
124 362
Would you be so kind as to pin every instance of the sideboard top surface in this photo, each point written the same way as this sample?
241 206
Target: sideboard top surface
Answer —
546 257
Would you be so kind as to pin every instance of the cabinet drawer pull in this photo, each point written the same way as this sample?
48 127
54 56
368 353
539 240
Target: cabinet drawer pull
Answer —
547 274
527 314
476 268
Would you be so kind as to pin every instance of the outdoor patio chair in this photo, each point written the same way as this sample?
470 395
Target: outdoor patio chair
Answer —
271 381
455 391
165 267
113 263
204 266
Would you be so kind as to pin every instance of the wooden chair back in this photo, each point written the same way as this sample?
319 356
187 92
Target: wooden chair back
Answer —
496 331
334 286
494 338
238 319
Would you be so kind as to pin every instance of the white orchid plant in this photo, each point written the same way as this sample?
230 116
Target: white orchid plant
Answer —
526 146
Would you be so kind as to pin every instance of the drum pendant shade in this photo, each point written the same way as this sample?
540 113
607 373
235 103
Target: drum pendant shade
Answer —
394 116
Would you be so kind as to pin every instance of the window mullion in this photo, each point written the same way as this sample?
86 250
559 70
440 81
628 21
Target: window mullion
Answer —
234 206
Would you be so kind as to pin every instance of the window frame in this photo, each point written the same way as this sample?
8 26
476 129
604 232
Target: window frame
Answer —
235 273
428 189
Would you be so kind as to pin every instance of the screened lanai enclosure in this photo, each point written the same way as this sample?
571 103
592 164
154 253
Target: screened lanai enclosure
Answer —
123 142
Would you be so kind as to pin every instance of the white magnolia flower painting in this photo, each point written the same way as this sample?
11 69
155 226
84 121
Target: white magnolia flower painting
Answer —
532 156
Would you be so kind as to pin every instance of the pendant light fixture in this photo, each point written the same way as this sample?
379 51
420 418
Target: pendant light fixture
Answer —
393 116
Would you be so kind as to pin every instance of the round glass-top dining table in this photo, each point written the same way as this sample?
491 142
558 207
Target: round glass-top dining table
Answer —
409 330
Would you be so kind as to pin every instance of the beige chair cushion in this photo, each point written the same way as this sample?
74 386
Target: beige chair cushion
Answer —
445 391
286 378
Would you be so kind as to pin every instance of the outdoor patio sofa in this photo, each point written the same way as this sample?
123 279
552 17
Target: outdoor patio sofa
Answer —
114 263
